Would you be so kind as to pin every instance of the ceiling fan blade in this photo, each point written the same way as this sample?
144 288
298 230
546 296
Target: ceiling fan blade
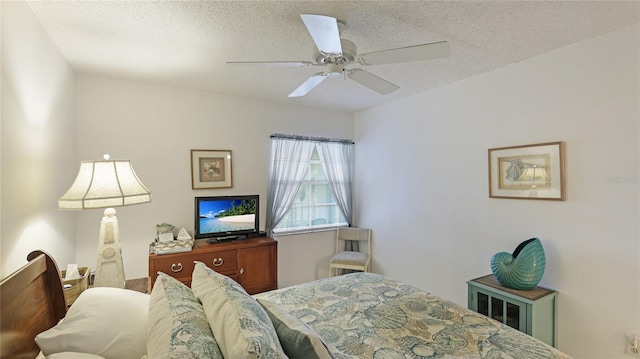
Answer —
431 51
271 63
324 32
308 85
372 81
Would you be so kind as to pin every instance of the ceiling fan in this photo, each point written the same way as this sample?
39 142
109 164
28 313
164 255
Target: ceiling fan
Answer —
335 54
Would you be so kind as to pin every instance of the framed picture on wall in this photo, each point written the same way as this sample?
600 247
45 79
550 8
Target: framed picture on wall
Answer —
527 171
210 169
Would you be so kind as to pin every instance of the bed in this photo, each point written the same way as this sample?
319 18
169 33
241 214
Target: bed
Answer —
360 315
31 301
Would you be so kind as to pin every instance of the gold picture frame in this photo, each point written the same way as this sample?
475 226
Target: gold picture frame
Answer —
211 169
527 172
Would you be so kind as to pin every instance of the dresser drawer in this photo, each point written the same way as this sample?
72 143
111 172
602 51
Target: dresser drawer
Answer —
253 262
181 266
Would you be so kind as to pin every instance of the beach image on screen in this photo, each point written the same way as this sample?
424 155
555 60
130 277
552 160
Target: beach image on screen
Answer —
227 215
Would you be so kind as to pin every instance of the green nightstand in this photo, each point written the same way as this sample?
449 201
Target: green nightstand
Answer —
530 311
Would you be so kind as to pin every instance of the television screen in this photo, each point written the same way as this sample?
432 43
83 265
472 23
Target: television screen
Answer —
226 216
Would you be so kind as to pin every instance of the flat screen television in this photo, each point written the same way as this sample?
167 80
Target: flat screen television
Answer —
226 217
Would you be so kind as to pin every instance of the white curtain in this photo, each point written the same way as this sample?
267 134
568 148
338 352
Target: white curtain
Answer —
336 161
290 159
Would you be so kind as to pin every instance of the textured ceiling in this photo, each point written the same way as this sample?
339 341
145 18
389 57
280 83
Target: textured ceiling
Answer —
186 44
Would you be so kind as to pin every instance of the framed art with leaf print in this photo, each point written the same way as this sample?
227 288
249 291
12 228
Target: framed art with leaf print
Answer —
527 172
210 169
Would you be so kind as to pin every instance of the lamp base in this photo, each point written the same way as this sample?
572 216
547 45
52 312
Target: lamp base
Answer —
109 267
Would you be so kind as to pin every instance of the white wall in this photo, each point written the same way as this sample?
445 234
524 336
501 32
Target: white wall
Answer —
420 162
156 127
421 169
37 141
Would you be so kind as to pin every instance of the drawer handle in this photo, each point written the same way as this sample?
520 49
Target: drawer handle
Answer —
218 262
175 268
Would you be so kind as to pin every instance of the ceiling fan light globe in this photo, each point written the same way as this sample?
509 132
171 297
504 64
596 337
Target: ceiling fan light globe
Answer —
334 70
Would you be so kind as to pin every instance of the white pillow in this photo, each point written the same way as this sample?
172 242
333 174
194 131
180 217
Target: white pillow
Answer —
110 322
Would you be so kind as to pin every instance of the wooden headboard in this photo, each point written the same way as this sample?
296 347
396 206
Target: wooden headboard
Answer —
31 301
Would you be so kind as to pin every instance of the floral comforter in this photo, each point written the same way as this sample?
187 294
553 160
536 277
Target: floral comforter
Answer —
365 315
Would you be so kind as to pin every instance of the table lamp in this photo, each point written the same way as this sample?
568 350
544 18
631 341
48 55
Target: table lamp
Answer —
106 184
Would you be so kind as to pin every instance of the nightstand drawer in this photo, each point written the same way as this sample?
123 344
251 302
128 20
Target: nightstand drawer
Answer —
182 266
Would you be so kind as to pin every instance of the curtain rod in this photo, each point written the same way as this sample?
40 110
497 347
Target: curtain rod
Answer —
309 138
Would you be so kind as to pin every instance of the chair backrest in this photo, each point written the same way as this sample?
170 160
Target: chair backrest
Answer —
353 234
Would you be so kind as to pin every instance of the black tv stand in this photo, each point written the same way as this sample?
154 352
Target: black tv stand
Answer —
227 238
257 234
222 239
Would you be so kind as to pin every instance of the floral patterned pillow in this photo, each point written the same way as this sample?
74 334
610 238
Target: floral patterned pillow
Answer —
240 325
178 327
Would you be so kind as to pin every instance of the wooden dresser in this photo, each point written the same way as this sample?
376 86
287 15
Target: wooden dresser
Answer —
253 263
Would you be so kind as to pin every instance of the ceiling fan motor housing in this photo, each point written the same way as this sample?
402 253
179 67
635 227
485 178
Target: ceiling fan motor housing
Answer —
349 52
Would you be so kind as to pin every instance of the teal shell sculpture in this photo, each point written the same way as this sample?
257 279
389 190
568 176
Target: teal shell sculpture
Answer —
521 270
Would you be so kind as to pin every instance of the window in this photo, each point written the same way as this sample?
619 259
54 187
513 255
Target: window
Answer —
310 185
315 205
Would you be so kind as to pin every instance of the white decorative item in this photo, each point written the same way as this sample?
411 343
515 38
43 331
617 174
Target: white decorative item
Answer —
164 232
106 184
165 237
72 272
176 246
164 228
183 234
